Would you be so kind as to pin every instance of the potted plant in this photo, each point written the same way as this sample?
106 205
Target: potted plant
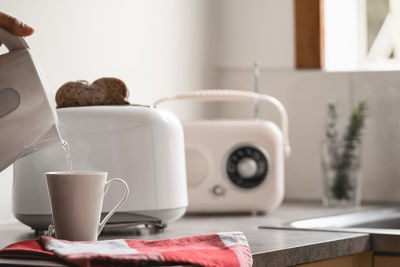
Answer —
341 158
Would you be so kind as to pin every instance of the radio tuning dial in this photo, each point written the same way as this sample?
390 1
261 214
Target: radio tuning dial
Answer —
247 167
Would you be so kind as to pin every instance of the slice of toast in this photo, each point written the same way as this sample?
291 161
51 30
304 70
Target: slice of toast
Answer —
104 91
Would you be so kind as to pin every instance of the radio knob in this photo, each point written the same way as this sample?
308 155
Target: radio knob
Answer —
218 190
247 167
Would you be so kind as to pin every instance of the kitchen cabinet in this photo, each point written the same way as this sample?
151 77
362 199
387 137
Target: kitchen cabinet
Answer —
386 260
358 260
367 259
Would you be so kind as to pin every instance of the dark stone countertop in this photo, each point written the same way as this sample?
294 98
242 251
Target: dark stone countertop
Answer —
270 247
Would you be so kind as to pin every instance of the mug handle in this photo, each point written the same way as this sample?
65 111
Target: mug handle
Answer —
125 196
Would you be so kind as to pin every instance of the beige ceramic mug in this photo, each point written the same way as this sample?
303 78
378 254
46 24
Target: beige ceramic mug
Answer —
76 202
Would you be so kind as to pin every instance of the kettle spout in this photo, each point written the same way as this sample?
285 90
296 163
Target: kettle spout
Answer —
51 137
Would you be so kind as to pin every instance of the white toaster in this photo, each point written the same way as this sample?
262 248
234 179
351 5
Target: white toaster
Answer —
142 145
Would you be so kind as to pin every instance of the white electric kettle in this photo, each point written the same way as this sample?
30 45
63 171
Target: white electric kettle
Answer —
28 121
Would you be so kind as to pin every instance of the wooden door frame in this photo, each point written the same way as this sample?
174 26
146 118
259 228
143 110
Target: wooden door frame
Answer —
309 33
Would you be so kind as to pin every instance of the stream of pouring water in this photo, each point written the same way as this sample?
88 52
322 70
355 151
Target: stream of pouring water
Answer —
67 154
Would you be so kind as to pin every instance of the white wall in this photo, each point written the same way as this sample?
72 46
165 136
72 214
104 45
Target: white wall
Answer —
305 95
249 30
159 47
156 47
246 31
5 195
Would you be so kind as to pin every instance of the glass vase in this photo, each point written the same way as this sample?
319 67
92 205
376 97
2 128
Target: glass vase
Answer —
341 166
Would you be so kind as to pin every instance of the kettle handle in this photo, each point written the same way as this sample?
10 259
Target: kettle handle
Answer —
11 41
237 95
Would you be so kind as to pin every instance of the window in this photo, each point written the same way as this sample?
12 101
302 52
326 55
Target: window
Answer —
356 34
383 28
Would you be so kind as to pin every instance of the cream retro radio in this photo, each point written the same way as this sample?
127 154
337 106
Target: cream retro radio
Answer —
234 165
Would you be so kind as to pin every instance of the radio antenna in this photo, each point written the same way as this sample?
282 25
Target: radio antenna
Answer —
256 88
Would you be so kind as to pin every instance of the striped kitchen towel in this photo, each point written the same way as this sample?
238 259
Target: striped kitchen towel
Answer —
228 249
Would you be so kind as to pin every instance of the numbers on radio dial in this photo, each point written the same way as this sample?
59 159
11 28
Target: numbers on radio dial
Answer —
247 167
